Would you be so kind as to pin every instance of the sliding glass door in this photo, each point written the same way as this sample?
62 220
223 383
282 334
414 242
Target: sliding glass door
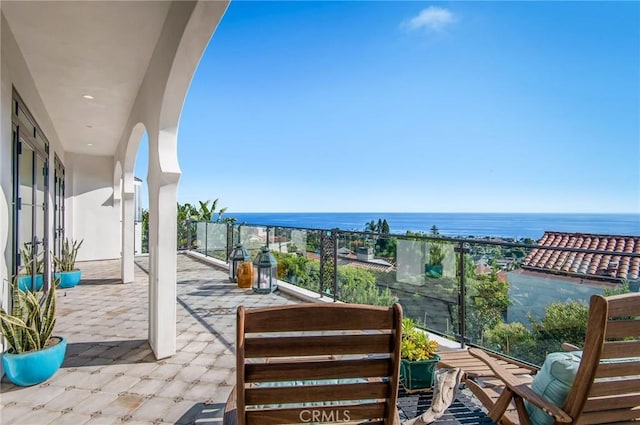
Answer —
58 213
30 194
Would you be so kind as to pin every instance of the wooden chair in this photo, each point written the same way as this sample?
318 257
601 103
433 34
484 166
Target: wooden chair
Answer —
306 363
607 384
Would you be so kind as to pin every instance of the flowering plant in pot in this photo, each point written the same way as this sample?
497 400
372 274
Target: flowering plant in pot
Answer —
67 272
34 355
418 357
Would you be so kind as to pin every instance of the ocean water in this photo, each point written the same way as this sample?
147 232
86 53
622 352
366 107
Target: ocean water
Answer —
509 225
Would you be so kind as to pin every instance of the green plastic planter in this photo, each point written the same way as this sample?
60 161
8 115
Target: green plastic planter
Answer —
418 375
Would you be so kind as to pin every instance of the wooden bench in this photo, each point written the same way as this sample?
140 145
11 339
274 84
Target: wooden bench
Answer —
481 380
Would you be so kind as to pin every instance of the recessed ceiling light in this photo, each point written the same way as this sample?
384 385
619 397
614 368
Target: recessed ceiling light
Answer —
89 144
88 96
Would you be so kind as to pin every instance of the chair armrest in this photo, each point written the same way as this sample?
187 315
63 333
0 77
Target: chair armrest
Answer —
520 388
570 347
230 416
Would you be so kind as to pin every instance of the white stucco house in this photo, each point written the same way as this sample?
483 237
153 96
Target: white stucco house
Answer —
80 84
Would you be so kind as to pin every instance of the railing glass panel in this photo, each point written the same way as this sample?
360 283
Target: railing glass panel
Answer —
216 243
427 283
296 265
253 238
514 297
199 244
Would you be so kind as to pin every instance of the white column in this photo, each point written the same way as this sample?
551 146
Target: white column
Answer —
163 191
128 207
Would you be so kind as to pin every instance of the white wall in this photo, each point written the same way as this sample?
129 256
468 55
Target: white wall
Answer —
15 73
5 174
90 199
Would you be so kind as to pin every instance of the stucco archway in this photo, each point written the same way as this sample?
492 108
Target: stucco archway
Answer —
128 203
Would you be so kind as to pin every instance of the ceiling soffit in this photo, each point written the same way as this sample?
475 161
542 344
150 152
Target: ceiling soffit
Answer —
100 49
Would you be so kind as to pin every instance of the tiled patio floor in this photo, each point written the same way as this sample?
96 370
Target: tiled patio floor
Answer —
110 375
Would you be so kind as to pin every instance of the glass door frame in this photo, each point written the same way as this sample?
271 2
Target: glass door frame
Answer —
25 130
58 207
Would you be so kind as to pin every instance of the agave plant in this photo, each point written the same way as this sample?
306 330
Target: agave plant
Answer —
26 253
67 260
31 322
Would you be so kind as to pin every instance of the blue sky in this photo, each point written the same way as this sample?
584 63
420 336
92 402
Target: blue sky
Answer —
416 107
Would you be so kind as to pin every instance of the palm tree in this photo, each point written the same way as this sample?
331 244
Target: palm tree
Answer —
207 213
370 227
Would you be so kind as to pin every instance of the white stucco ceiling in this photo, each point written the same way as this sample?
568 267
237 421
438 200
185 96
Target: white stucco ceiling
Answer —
96 48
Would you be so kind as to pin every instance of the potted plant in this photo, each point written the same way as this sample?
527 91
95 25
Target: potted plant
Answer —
66 264
418 357
33 355
33 267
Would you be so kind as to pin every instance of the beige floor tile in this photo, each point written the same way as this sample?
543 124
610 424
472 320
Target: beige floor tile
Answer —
148 387
14 413
71 419
88 381
68 399
200 392
181 358
106 420
40 416
74 378
120 384
173 389
222 393
191 373
152 409
226 361
94 403
138 369
124 404
203 360
195 347
216 376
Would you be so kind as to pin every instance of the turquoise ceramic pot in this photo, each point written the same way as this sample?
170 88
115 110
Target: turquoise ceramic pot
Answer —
24 283
68 279
36 366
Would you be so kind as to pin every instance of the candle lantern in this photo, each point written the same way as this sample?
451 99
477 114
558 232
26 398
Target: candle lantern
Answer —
238 255
265 272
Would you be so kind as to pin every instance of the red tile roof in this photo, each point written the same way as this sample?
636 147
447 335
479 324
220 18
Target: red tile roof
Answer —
610 262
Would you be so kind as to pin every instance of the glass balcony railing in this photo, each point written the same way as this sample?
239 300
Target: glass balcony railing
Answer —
482 292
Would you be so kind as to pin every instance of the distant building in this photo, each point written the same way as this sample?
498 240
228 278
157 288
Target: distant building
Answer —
485 270
364 259
603 265
365 253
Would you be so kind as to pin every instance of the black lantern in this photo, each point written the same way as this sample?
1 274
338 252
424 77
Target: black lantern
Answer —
238 255
265 272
